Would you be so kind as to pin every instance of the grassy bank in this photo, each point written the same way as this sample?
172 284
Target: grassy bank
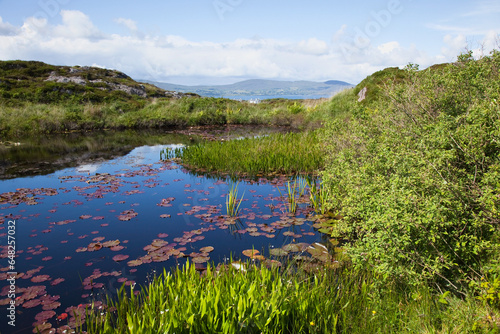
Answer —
38 118
254 299
289 153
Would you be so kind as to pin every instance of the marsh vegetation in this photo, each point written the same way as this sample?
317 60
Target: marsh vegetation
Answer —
403 188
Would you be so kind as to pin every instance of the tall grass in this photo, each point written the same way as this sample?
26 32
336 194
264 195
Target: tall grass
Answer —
254 299
294 192
289 153
42 118
318 196
233 202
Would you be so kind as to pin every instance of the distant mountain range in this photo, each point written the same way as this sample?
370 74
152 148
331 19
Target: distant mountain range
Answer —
260 87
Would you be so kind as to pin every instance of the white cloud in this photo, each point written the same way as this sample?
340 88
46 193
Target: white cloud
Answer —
485 7
6 28
448 28
77 41
339 34
389 47
454 45
77 25
130 24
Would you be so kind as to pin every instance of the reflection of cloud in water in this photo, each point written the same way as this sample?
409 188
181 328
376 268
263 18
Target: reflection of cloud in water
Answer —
90 168
150 154
139 155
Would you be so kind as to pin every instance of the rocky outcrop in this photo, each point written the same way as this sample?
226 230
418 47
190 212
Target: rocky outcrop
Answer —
362 94
140 90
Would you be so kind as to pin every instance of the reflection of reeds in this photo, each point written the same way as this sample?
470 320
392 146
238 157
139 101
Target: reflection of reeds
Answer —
232 201
169 153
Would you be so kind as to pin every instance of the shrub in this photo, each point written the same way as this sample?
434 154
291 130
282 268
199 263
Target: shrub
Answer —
418 182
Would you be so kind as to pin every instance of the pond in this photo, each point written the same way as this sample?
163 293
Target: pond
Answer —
122 217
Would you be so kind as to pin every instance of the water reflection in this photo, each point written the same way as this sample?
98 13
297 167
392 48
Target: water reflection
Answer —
44 155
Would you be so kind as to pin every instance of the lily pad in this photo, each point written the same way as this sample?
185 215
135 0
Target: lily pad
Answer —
94 246
291 248
253 254
32 303
40 278
200 259
319 251
207 249
278 252
57 281
120 257
111 243
158 243
134 263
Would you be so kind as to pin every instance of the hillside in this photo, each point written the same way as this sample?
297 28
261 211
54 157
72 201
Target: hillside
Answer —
33 81
259 87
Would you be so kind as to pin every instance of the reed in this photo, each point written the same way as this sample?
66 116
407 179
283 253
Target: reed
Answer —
289 153
232 201
291 196
318 196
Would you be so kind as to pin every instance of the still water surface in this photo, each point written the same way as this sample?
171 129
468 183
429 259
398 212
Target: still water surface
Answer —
83 231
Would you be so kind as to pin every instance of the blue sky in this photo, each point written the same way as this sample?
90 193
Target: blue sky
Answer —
224 41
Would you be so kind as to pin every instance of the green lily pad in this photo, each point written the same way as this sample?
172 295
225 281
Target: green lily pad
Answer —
319 252
278 252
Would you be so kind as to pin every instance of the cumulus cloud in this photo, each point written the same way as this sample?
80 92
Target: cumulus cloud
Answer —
6 28
76 25
453 45
130 24
77 41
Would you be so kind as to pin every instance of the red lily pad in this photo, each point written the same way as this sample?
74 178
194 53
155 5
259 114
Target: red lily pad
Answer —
111 243
32 303
120 257
134 263
45 315
57 281
40 278
51 306
207 249
253 254
94 246
200 259
159 243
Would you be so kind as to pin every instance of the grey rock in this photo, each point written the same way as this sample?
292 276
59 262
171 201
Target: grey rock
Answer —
362 94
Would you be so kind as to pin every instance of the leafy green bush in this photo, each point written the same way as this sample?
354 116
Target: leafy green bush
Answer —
416 174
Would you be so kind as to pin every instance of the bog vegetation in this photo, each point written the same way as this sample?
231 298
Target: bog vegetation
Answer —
411 175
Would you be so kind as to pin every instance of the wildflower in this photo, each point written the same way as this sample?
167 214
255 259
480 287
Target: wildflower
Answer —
312 323
373 312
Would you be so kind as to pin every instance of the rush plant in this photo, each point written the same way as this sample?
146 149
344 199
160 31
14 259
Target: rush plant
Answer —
232 201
